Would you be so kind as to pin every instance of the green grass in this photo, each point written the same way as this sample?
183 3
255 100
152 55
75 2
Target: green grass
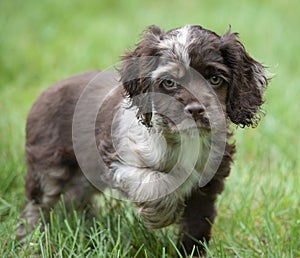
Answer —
44 41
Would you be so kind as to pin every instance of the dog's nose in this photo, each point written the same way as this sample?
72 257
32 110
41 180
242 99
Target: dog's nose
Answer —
195 109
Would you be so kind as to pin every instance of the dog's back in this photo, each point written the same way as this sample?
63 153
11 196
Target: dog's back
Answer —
52 168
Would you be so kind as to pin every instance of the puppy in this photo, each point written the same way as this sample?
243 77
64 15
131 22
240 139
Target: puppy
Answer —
158 126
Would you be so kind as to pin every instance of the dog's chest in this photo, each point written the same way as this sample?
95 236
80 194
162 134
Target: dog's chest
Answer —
140 147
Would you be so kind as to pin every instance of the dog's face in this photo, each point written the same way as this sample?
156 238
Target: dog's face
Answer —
182 99
188 74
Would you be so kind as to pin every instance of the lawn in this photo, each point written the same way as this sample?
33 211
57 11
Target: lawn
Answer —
44 41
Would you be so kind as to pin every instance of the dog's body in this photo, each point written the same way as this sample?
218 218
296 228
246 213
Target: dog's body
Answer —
157 148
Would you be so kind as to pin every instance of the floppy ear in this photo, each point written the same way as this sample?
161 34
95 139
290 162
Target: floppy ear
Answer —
135 71
245 93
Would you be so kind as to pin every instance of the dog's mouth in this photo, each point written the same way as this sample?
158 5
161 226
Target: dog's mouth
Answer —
188 126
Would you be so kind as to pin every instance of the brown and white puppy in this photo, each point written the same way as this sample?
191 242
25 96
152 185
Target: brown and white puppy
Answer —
155 132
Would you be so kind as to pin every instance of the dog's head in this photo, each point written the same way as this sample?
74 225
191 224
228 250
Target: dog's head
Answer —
199 70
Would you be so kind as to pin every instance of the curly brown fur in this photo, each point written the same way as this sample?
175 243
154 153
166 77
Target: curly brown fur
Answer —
180 84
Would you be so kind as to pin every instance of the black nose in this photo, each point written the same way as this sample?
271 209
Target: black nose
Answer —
195 109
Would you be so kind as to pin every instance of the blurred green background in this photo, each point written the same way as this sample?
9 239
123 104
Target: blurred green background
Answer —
42 42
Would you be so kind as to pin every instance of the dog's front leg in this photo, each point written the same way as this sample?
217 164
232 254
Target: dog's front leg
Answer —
161 212
197 219
158 196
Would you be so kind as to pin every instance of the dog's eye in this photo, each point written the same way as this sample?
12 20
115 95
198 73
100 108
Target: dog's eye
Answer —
168 84
216 80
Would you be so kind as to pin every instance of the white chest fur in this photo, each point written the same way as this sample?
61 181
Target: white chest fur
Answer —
155 170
